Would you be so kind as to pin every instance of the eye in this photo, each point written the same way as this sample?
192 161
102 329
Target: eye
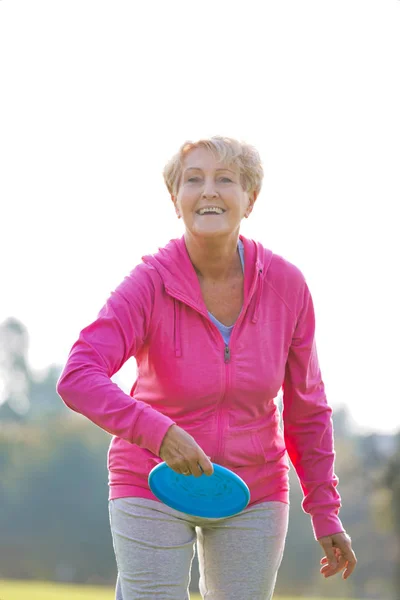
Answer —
226 180
193 179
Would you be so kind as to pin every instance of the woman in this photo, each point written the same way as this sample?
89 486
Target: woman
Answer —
217 324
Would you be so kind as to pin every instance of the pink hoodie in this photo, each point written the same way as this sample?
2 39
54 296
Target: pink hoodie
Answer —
222 396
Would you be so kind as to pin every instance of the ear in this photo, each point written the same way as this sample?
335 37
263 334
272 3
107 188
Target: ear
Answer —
174 200
252 199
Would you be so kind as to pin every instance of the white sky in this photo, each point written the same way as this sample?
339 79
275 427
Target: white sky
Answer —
96 96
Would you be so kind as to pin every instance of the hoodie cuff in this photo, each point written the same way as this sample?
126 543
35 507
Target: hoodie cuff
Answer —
326 525
152 427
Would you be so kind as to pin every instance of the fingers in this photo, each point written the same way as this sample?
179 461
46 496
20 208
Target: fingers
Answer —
205 465
198 467
183 471
329 569
194 467
339 556
182 453
332 556
351 563
347 565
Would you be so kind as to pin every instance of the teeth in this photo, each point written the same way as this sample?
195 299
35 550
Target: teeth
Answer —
210 209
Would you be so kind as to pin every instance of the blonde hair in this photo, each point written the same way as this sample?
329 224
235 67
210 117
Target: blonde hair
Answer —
227 150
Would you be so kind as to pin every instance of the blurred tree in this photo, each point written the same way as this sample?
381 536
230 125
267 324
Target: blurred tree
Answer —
44 400
53 493
54 519
24 394
15 376
342 423
54 516
391 480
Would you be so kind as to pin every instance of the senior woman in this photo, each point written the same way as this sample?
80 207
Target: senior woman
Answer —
217 325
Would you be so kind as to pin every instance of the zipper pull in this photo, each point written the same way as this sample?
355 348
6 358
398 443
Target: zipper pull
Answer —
227 354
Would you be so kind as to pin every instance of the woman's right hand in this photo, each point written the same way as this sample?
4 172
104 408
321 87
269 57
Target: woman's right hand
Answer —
182 453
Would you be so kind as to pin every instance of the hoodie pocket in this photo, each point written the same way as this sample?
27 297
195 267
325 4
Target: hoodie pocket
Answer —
242 449
272 442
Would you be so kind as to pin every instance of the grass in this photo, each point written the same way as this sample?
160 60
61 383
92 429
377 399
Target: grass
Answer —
36 590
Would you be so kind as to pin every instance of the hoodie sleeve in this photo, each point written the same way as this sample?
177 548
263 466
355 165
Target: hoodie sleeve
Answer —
308 429
102 348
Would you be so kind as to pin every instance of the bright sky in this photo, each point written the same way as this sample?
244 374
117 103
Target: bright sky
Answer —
96 97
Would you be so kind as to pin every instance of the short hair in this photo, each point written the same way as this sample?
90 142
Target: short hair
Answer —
227 150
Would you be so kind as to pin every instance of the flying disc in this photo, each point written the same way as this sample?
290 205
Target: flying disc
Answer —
221 494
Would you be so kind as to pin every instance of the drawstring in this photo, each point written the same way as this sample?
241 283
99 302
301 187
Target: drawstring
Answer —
258 299
177 330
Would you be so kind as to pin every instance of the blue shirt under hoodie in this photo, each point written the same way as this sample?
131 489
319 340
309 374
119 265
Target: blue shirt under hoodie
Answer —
226 331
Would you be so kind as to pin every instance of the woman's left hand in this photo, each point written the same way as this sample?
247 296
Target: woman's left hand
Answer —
339 555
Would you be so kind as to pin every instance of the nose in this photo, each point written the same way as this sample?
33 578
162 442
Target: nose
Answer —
209 190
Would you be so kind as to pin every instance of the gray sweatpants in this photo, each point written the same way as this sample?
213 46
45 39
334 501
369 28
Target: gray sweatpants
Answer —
239 556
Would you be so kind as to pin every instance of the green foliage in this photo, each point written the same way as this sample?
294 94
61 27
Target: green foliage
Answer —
54 519
25 396
53 496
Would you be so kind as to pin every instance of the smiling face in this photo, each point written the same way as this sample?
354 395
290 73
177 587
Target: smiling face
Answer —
210 197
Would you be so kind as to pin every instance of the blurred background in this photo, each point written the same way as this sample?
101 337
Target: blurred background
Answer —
95 98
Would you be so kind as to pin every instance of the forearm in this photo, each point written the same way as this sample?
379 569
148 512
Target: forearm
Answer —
86 388
308 435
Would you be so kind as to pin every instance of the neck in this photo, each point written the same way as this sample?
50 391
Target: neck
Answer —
214 259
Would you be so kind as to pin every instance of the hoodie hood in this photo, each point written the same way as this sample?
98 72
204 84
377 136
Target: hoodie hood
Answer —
179 277
180 281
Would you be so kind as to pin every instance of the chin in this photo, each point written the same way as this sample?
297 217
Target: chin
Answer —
212 233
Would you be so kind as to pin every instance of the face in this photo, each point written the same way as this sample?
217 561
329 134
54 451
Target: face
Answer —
207 183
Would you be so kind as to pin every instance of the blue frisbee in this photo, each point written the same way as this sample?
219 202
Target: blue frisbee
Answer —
219 495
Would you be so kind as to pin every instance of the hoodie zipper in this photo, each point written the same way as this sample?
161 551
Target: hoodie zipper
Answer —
227 353
227 359
220 415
